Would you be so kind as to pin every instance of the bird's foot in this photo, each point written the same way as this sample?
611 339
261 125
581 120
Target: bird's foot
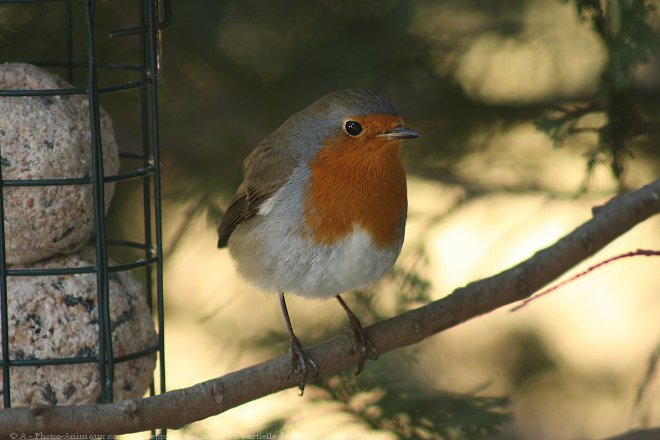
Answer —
299 362
362 345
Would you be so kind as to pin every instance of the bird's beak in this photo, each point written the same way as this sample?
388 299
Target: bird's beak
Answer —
400 133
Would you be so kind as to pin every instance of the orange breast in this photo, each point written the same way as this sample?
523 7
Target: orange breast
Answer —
360 183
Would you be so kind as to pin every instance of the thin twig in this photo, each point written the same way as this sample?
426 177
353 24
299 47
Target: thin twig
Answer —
637 253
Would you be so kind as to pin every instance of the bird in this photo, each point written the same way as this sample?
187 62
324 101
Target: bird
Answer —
322 208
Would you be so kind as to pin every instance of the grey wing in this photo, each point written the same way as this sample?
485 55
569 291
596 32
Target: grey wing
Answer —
266 169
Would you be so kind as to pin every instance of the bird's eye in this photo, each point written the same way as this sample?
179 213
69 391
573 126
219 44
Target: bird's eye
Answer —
353 128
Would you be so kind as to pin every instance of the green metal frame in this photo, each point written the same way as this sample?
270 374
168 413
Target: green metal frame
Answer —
151 16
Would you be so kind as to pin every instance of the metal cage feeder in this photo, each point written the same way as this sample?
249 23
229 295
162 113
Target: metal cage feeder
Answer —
141 166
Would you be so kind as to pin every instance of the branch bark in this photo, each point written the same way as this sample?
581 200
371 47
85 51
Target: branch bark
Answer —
179 407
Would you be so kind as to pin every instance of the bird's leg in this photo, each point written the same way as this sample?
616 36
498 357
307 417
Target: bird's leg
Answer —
299 358
363 345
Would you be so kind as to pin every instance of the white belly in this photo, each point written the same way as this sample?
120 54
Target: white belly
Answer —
296 265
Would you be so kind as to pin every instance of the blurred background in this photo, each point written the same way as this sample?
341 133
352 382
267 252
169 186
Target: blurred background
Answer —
531 111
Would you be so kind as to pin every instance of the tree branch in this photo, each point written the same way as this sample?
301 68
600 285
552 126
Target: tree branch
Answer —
177 408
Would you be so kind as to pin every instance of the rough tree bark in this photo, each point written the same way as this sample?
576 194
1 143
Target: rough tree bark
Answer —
177 408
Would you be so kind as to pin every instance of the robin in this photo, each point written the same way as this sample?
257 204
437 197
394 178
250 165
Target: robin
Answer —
322 207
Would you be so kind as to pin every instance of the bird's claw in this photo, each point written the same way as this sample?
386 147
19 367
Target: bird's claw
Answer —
362 344
299 361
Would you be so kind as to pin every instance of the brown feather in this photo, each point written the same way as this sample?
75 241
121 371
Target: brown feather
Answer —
266 169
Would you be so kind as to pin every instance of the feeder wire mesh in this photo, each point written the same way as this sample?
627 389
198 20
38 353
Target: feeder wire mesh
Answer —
152 17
